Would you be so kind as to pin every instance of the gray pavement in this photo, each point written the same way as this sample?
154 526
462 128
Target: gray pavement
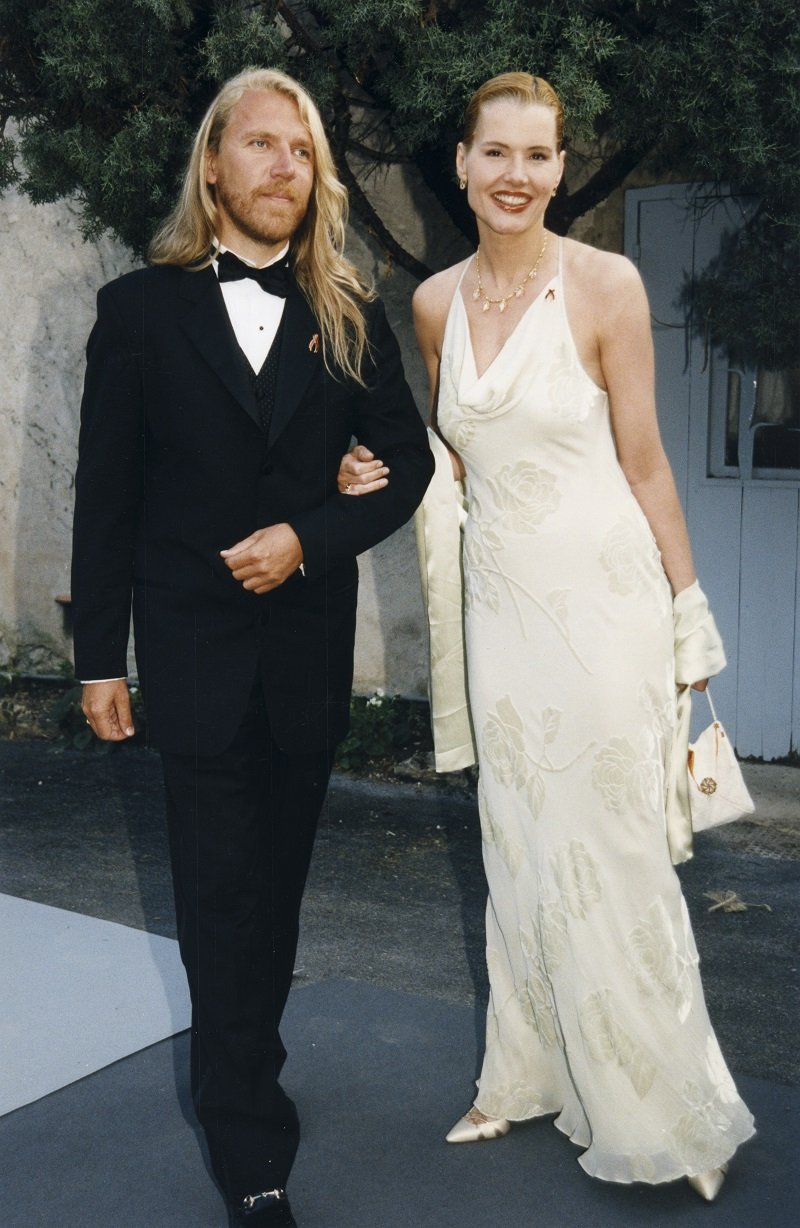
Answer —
391 986
396 893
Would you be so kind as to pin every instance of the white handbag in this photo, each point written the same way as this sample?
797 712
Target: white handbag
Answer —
717 792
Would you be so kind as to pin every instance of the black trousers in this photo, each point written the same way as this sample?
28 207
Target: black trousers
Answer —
241 830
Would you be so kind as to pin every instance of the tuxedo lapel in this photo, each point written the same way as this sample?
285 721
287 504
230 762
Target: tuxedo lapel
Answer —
300 357
206 322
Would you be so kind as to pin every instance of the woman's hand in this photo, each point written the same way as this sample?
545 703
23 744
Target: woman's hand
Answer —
360 473
701 685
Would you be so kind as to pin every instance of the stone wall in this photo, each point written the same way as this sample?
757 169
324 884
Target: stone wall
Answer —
48 281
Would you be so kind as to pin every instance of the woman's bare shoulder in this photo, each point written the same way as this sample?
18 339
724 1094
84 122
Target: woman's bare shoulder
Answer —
605 283
432 297
601 274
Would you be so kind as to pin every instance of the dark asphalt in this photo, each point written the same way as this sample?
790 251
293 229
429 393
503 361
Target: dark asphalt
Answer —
396 893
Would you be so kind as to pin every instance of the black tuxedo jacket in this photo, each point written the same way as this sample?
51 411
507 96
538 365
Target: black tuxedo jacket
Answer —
174 467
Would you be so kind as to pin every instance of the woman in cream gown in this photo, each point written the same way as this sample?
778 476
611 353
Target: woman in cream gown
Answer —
574 544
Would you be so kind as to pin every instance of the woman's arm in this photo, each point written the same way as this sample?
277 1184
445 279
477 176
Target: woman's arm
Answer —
430 306
625 352
360 473
626 359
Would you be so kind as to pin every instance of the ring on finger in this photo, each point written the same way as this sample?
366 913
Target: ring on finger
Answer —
348 488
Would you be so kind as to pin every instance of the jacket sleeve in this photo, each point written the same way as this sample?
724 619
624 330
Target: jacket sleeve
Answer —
388 422
108 495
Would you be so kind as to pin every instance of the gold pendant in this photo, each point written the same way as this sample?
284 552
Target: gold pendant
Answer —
502 304
486 306
476 294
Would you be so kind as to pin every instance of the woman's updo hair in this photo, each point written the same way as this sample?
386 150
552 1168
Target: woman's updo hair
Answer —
519 86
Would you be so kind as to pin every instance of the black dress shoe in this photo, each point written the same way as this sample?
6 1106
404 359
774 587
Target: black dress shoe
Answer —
269 1209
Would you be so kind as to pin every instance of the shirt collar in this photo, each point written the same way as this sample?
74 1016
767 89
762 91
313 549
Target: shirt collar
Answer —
219 248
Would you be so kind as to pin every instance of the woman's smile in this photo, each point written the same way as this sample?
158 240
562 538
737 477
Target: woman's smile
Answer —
512 202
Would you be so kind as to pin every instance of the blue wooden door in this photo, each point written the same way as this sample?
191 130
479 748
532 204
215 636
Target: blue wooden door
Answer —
740 493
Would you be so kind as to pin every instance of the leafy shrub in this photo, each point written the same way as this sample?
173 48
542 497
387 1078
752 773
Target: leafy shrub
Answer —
384 727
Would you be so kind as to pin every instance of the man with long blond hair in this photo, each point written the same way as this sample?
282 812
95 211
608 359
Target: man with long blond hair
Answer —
223 384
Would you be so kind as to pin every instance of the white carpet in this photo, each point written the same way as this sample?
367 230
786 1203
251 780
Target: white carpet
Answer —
76 994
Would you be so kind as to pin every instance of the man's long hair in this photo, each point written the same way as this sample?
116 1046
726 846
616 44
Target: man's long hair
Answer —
331 284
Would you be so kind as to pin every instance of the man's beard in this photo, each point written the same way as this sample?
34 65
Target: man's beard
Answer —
253 217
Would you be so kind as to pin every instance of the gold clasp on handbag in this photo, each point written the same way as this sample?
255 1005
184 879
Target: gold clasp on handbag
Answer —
708 784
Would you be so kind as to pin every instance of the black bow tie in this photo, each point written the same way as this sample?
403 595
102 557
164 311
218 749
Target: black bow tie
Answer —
274 278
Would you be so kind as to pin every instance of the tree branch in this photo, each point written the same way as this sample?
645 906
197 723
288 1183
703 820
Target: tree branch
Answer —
297 28
565 209
378 155
365 210
342 141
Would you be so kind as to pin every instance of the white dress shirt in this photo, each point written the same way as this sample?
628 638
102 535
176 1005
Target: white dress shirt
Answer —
255 315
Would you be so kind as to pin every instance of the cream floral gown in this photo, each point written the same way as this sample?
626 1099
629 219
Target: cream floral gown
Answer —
596 1010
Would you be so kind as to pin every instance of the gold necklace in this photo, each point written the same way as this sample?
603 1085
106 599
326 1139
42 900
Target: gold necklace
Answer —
488 302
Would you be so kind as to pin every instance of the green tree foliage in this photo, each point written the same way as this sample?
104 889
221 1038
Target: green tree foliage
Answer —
105 96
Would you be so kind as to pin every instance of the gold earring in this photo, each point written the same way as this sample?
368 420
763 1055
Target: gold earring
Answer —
462 183
554 191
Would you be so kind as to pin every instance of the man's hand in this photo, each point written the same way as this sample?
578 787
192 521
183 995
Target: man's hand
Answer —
266 558
107 708
360 473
